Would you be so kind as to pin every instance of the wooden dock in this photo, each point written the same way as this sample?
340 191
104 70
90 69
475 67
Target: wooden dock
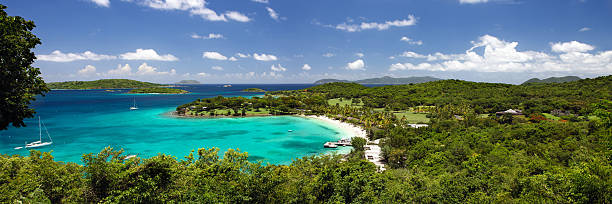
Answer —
342 142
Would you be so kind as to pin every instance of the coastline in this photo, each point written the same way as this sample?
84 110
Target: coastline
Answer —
348 128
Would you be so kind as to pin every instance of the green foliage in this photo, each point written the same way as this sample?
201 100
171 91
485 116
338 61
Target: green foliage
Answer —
358 143
253 90
160 90
19 81
102 84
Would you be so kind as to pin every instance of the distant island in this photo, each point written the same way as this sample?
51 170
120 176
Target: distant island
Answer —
553 80
253 90
158 90
188 82
383 80
102 84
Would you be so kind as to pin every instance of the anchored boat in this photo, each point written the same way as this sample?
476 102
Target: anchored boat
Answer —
38 143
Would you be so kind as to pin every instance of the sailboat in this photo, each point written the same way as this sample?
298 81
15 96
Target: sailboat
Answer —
39 143
134 107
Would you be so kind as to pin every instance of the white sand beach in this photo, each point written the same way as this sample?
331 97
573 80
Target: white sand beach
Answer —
372 152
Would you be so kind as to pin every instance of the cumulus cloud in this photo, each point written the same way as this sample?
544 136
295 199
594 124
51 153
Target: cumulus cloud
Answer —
203 74
278 68
59 56
573 46
261 1
350 27
411 41
103 3
194 7
233 59
214 56
306 67
147 54
237 16
209 36
145 69
88 70
121 70
264 57
356 65
584 29
503 56
359 54
218 68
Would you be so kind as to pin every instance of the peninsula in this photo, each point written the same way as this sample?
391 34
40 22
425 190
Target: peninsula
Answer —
102 84
158 90
253 90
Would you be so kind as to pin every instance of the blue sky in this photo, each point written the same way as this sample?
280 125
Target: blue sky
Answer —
292 41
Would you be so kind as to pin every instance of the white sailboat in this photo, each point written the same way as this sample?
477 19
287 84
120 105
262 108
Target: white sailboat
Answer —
39 143
134 107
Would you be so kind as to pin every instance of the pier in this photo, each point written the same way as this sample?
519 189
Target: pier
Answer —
342 142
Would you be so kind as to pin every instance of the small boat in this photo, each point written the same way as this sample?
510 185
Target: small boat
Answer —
227 85
38 143
330 145
289 130
134 107
130 156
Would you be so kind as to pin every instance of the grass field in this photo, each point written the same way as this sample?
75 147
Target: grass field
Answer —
412 117
343 102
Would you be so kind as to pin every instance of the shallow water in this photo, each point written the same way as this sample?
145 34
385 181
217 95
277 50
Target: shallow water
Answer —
84 121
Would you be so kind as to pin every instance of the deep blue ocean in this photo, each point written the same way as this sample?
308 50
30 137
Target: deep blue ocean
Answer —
87 121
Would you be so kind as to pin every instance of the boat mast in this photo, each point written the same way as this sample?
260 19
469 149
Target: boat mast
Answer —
39 130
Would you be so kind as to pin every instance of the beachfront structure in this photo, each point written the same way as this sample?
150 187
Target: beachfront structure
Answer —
418 125
510 111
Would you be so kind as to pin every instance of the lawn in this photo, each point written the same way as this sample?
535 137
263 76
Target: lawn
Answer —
412 117
343 102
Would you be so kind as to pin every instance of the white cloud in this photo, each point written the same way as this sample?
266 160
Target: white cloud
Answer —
411 41
502 56
273 14
194 7
410 54
374 25
261 1
473 1
264 57
584 29
203 74
329 54
573 46
209 36
243 55
359 54
306 67
356 65
124 70
278 68
88 70
233 59
214 56
147 54
218 68
58 56
234 15
145 69
103 3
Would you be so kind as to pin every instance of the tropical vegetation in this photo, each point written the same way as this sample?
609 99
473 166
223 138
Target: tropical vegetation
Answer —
159 90
102 84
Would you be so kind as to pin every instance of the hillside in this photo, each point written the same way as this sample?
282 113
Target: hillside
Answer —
188 82
101 84
383 80
553 80
158 91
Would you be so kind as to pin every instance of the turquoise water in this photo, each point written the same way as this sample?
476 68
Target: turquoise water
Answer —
88 121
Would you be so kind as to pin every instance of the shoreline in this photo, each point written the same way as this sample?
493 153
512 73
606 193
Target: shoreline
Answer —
347 128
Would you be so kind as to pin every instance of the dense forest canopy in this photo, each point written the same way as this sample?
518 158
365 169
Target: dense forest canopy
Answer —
102 84
468 153
160 90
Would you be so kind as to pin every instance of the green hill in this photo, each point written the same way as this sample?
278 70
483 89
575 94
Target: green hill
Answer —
158 90
384 80
553 80
101 84
254 90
